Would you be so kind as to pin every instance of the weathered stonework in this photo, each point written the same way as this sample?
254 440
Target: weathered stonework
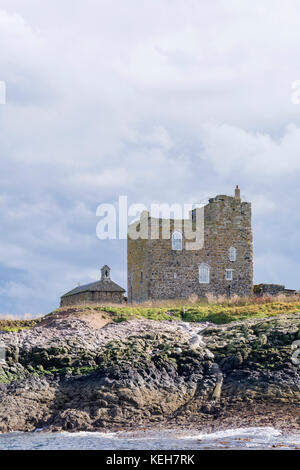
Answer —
92 297
103 291
156 271
272 290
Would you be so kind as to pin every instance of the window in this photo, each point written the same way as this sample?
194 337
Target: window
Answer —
177 241
141 279
229 274
204 274
232 254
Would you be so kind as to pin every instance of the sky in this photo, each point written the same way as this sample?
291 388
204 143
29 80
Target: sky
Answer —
159 100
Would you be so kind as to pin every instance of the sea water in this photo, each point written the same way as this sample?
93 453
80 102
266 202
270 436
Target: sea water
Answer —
242 438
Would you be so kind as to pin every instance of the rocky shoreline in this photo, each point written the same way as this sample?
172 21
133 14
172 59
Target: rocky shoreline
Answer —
70 373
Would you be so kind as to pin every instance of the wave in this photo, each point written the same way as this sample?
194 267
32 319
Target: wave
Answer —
238 438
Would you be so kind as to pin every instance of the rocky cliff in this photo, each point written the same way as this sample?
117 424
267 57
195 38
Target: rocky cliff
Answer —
69 373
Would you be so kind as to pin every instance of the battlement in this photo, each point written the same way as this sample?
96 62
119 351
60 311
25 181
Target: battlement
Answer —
210 210
229 199
164 266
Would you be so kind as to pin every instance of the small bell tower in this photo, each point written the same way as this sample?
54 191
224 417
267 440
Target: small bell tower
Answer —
105 273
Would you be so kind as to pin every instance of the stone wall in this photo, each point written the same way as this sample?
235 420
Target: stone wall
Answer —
272 290
155 271
92 297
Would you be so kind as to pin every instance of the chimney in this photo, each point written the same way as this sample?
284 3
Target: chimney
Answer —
237 193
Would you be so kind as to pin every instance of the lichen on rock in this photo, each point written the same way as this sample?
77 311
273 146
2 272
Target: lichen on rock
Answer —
69 376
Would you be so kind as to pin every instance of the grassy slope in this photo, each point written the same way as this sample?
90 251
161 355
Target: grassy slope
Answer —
17 325
216 313
219 312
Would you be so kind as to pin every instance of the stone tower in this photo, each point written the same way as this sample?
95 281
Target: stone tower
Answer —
164 268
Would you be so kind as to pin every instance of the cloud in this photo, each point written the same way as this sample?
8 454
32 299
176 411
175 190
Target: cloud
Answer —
261 205
116 178
232 149
162 104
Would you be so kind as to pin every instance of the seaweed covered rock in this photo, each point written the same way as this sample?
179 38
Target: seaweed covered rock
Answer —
70 376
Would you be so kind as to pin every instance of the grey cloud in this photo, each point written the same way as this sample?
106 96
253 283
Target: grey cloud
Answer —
167 104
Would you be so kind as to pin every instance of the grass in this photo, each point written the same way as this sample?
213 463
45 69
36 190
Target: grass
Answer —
17 325
216 310
8 329
219 310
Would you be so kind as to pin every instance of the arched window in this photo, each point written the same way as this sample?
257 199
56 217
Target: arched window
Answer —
204 274
177 241
232 254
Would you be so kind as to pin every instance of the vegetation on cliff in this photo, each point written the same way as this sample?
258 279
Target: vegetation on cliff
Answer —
219 311
70 373
215 310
